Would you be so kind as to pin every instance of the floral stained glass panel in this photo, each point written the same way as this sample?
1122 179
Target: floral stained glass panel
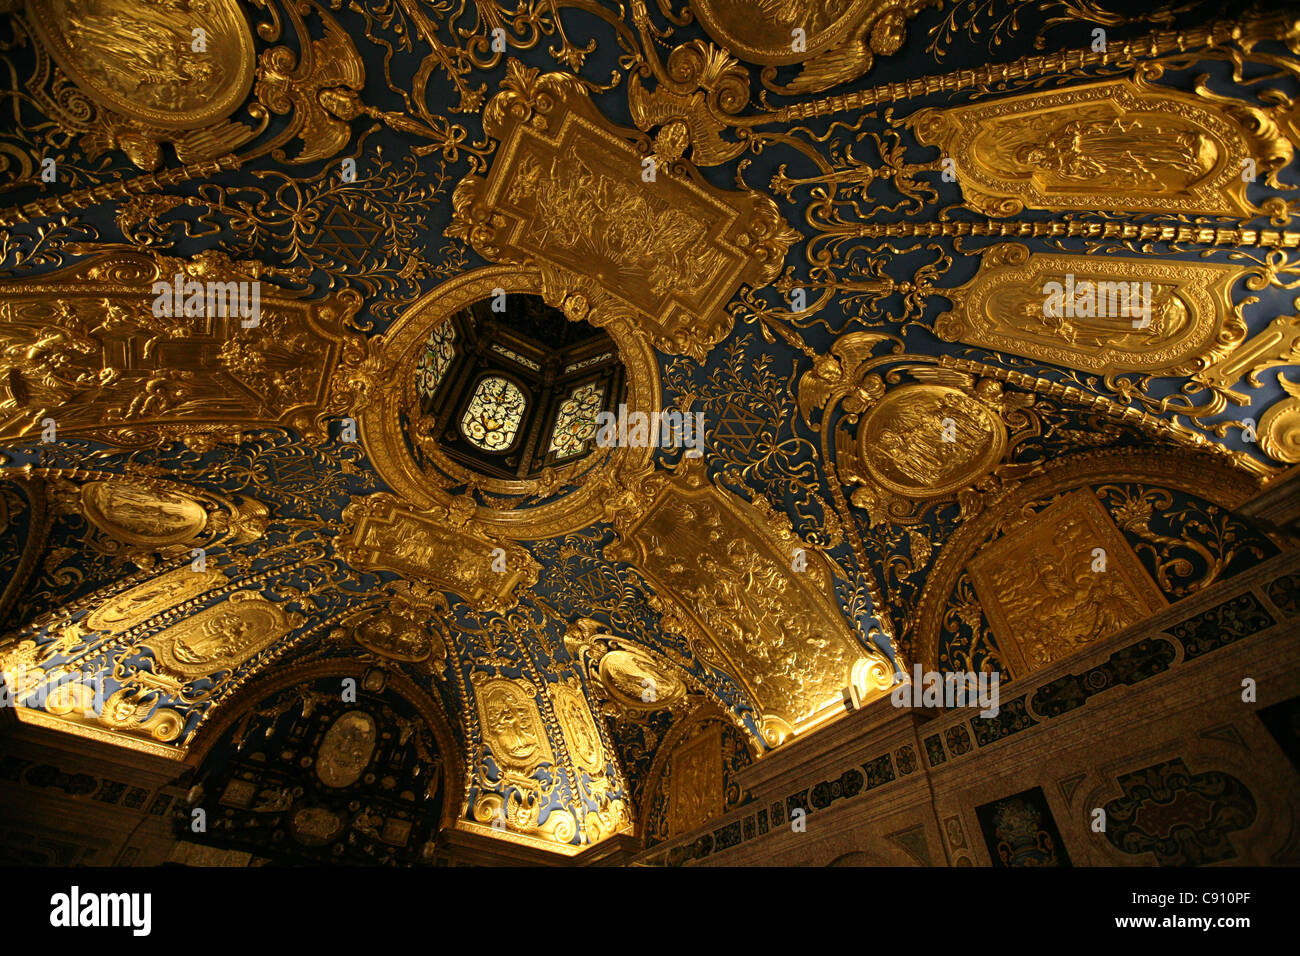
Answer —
492 418
435 359
576 420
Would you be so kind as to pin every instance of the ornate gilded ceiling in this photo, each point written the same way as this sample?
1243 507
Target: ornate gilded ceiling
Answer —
833 229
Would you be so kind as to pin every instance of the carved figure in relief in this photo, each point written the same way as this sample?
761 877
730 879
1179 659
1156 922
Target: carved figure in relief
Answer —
1023 308
46 367
154 513
664 244
1107 151
220 638
510 723
579 729
913 443
1057 601
142 47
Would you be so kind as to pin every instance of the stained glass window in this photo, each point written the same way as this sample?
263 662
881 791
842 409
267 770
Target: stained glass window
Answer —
492 417
576 420
436 359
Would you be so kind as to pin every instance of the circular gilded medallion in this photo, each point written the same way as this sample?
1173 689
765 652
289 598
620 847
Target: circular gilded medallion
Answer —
762 31
169 63
921 441
635 681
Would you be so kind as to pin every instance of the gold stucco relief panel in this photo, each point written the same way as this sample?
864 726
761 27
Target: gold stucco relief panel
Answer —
1110 315
755 600
571 193
1058 582
695 783
1119 146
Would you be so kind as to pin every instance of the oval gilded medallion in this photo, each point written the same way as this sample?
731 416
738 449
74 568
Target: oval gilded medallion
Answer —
139 514
579 727
512 727
394 637
346 749
315 826
762 31
221 637
636 682
921 441
151 598
174 64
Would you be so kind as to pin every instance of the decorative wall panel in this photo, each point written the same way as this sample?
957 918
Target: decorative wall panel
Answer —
1060 581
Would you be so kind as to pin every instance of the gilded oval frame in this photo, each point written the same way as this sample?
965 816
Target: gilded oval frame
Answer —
397 352
735 28
974 410
234 41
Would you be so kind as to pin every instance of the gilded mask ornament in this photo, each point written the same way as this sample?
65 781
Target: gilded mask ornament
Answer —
398 638
126 712
841 38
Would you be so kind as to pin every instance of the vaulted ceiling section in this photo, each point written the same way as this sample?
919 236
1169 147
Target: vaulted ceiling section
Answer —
960 291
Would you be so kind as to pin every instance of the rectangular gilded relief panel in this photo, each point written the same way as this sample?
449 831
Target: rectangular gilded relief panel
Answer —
425 546
1058 582
567 191
92 347
695 782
